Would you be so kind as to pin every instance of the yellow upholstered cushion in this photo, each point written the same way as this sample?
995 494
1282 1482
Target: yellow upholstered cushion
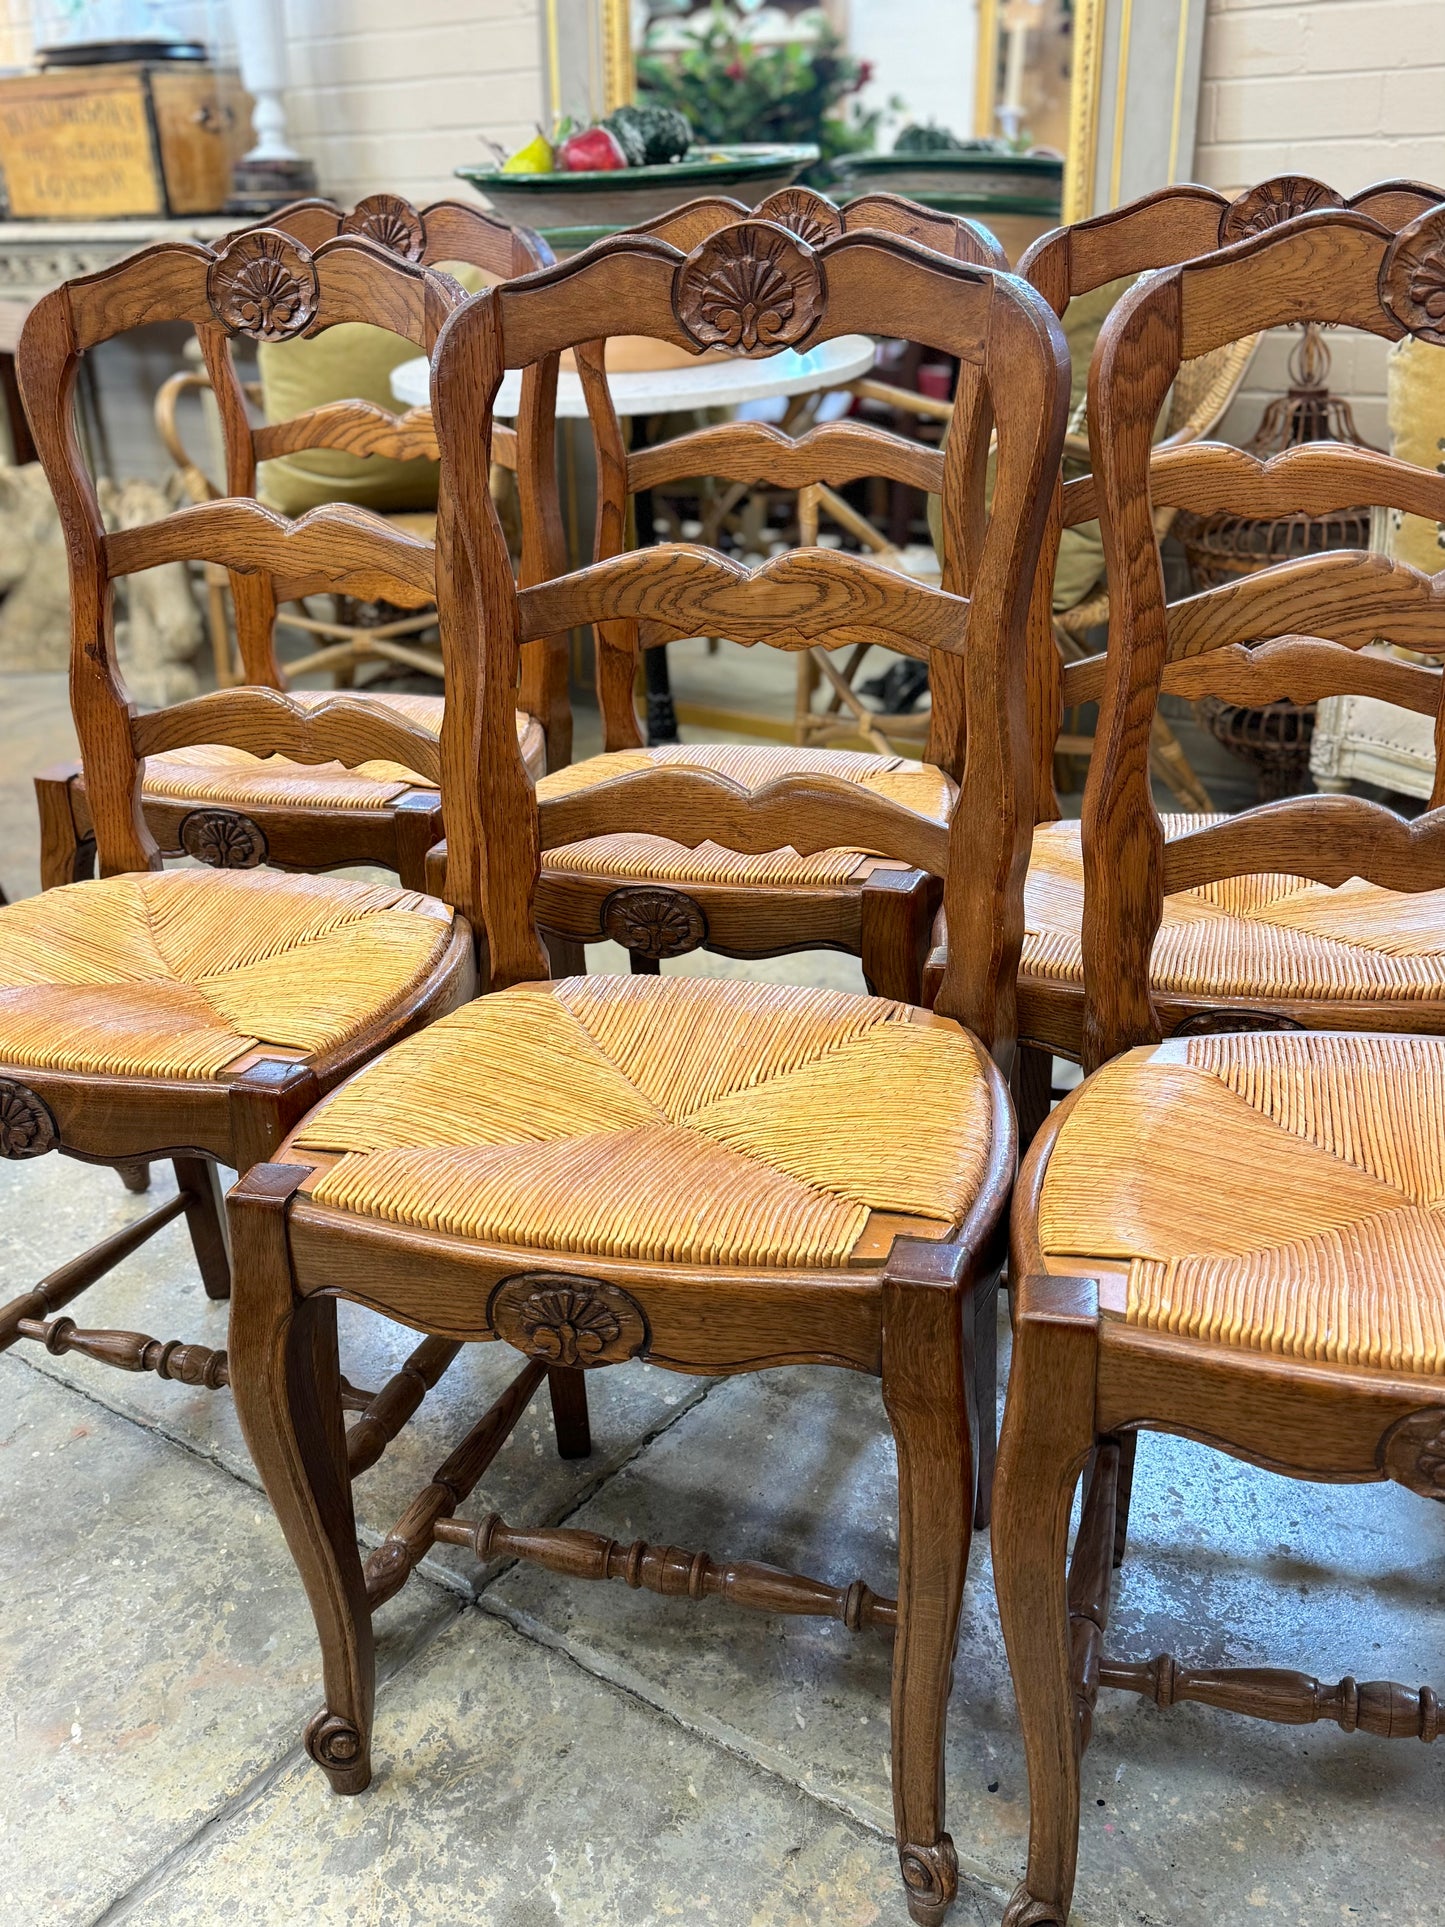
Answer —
1266 936
1282 1190
176 974
351 362
674 1119
656 859
214 773
1416 390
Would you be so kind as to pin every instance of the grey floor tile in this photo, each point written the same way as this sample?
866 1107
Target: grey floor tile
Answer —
513 1790
53 1208
1191 1818
156 1652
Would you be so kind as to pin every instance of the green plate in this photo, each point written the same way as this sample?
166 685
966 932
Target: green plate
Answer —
559 203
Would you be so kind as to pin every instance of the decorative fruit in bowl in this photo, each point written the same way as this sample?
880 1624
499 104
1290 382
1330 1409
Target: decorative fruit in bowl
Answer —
596 150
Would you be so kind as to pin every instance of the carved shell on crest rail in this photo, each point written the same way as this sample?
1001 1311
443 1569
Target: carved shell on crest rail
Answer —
1265 206
27 1125
804 213
1412 1452
1412 277
224 839
263 285
751 287
391 222
567 1321
653 922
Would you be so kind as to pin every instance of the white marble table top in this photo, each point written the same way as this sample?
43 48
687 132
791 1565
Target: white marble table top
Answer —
663 391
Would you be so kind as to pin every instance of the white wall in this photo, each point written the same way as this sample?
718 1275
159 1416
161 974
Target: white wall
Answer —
393 94
923 51
1349 91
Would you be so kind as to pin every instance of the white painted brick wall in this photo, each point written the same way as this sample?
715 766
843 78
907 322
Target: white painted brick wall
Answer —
1350 91
394 94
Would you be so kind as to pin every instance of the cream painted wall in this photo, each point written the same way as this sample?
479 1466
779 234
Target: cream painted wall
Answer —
1350 91
393 94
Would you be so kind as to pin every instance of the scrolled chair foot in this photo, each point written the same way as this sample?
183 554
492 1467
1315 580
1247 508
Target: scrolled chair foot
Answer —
1024 1911
338 1748
931 1876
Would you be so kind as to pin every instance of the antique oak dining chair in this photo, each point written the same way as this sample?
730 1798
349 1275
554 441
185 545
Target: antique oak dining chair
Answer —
1237 1235
196 1015
713 1175
216 802
1224 952
651 892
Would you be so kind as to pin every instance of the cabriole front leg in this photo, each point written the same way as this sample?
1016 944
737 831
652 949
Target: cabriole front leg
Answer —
286 1379
928 1391
1048 1433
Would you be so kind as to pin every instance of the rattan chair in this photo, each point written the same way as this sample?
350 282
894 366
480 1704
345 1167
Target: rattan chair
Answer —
657 896
1234 1230
217 803
713 1175
194 1014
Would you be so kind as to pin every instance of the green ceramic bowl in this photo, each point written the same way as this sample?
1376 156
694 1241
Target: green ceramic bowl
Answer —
563 205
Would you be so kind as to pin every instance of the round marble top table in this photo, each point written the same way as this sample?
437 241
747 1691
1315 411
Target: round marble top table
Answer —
709 383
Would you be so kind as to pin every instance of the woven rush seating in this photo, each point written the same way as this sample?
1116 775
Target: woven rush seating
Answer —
643 858
216 773
1269 936
1316 1227
668 1119
178 975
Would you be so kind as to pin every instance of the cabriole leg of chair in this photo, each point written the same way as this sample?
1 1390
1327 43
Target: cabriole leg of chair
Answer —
896 926
927 1390
1048 1433
200 1185
135 1174
1032 1087
65 855
985 1395
287 1384
568 1388
1128 1451
568 956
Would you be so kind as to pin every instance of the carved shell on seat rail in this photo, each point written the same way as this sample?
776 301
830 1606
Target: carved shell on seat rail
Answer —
1412 1452
654 922
1412 277
27 1127
753 287
224 839
567 1321
1265 206
263 285
390 221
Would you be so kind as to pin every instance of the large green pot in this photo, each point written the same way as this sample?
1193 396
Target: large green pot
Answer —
1018 196
569 210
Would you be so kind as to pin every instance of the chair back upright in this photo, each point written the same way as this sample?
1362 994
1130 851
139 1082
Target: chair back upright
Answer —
1296 630
755 287
1158 231
445 232
757 455
268 287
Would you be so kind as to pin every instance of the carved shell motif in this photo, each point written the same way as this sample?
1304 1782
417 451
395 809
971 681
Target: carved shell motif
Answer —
224 839
1412 277
567 1321
804 213
753 287
1265 206
263 285
27 1126
653 922
391 222
1412 1452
